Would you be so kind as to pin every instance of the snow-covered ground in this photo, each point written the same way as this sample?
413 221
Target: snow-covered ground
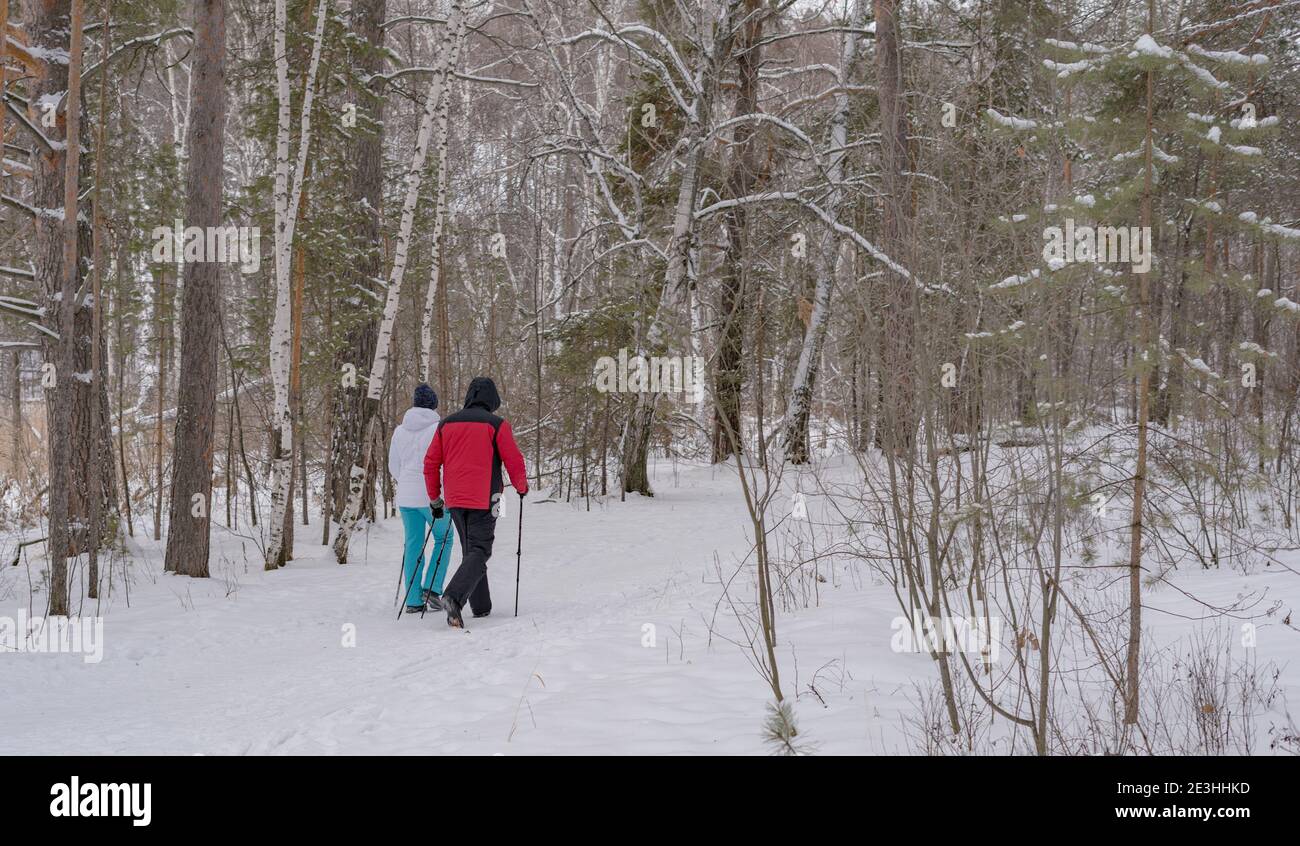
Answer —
249 662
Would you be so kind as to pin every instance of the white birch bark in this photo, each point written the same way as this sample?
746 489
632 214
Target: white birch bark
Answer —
379 368
636 431
828 262
453 38
288 196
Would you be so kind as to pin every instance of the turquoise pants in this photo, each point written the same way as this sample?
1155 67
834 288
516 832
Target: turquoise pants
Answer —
415 524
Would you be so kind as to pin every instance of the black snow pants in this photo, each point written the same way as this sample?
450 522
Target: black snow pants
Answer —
476 528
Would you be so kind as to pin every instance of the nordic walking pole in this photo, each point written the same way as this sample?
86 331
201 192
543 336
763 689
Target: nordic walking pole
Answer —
418 567
437 562
519 551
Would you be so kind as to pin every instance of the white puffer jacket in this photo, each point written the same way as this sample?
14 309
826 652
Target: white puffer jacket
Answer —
406 456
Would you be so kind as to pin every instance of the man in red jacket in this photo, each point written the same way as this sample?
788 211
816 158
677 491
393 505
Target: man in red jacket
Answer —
462 470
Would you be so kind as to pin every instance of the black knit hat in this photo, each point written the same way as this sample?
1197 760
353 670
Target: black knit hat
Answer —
425 397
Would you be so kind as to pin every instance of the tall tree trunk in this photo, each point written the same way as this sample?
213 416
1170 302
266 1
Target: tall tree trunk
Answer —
828 262
98 416
288 196
366 192
1134 652
55 29
358 476
160 380
669 290
190 516
295 379
16 446
896 429
119 332
447 62
733 297
4 85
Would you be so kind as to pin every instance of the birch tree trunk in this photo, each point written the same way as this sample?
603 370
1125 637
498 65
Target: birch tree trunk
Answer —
189 519
640 423
828 261
288 195
379 367
635 447
449 57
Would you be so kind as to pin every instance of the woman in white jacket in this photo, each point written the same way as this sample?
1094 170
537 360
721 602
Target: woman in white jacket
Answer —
406 464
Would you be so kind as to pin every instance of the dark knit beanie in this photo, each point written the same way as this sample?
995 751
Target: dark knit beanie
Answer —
425 397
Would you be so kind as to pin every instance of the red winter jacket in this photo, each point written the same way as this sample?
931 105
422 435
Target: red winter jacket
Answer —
463 464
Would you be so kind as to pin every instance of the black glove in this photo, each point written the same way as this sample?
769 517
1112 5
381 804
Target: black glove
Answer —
437 509
523 494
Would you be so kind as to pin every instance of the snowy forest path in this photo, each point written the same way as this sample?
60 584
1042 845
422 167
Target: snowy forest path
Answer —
259 663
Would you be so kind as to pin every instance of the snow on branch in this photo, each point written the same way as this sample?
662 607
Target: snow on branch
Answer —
18 204
764 117
467 77
1251 11
781 73
21 307
651 61
1011 122
16 168
1064 70
31 56
869 29
795 105
1077 47
11 103
1268 226
839 228
492 80
1231 57
392 22
1016 281
153 41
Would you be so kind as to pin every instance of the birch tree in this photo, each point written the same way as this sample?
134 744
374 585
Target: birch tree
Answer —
696 102
447 62
351 515
288 196
829 258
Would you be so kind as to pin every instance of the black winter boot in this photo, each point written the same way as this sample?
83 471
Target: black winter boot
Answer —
452 607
